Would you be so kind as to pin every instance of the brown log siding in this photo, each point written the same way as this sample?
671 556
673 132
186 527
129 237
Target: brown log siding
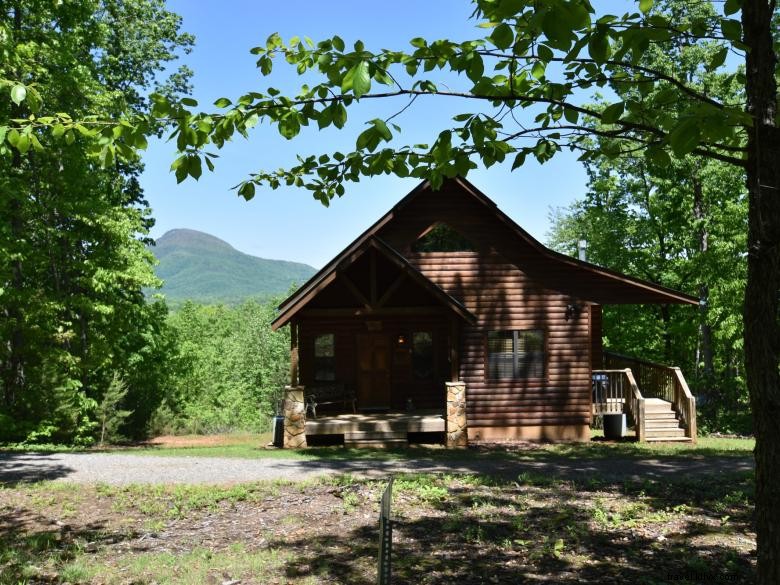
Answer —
503 297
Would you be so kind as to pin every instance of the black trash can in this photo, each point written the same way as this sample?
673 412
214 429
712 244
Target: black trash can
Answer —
614 426
278 426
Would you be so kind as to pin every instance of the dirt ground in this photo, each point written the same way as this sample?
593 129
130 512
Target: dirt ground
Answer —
464 529
186 441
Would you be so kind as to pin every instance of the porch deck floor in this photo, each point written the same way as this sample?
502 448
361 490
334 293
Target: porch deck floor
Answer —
423 421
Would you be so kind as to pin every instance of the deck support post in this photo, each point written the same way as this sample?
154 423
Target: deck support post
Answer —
294 353
456 430
294 418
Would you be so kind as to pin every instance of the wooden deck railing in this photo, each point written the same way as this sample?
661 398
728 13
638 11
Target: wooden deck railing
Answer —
684 404
655 380
616 392
658 381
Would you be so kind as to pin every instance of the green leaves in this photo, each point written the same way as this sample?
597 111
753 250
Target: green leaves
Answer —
18 93
731 29
502 36
247 190
612 113
537 71
189 165
370 138
718 59
645 6
732 6
685 136
357 79
598 46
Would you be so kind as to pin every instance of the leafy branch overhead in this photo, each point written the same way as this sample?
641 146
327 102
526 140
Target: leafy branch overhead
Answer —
544 58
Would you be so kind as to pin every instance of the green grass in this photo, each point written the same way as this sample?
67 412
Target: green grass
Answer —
195 567
706 446
178 501
477 525
254 447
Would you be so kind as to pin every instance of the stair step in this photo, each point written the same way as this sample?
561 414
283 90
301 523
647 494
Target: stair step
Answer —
667 439
665 433
661 414
658 408
663 424
376 444
375 435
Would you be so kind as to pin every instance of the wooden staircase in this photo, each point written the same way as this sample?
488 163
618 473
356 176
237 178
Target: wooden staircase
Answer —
660 405
376 439
662 423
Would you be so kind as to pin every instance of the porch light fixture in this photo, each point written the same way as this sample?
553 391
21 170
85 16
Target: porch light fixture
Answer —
401 341
572 310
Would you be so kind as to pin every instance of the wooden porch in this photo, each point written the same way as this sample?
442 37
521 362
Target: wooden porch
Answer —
387 429
654 397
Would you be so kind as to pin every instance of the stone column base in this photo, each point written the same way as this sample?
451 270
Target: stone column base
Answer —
294 418
457 429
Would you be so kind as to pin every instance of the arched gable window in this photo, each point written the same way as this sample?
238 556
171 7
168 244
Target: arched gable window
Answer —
442 238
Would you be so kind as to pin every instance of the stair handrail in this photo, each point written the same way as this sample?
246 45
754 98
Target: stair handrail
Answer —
685 403
627 390
635 403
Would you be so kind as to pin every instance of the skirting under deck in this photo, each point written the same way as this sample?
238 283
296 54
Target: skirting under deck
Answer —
531 433
422 422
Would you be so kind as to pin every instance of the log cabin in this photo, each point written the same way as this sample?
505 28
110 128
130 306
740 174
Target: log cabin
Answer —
446 318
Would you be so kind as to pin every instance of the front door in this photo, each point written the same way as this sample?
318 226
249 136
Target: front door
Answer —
373 371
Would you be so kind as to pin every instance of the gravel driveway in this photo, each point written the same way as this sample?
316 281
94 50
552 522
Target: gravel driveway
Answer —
129 468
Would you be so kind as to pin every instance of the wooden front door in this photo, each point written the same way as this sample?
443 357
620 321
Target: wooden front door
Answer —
373 371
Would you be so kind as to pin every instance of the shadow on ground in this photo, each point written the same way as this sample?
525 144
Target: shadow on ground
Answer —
31 467
505 538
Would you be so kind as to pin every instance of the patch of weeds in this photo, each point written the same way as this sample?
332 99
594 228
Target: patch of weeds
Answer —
424 487
474 533
202 566
350 501
78 571
178 501
154 526
531 478
453 521
341 480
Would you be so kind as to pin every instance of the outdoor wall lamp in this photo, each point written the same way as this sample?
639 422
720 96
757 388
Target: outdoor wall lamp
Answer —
573 310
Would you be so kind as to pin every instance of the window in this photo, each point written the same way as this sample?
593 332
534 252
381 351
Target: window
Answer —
442 238
422 355
325 358
515 354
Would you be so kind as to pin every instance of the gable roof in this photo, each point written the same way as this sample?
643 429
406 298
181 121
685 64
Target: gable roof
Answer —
587 281
328 274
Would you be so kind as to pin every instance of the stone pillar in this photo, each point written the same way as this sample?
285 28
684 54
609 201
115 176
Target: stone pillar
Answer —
457 431
294 418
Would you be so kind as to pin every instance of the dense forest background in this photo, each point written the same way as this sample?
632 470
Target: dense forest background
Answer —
86 355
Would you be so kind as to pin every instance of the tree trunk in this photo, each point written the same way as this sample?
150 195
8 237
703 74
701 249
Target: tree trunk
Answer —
13 369
704 354
762 331
666 319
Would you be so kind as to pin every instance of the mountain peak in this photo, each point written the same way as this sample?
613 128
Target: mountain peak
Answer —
200 267
191 238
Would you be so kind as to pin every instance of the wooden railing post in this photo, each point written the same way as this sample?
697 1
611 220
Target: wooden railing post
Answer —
637 405
641 434
686 403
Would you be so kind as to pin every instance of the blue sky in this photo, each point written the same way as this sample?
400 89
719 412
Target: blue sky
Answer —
288 223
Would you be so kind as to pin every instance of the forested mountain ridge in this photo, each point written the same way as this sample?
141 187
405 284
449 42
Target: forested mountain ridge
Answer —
200 267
